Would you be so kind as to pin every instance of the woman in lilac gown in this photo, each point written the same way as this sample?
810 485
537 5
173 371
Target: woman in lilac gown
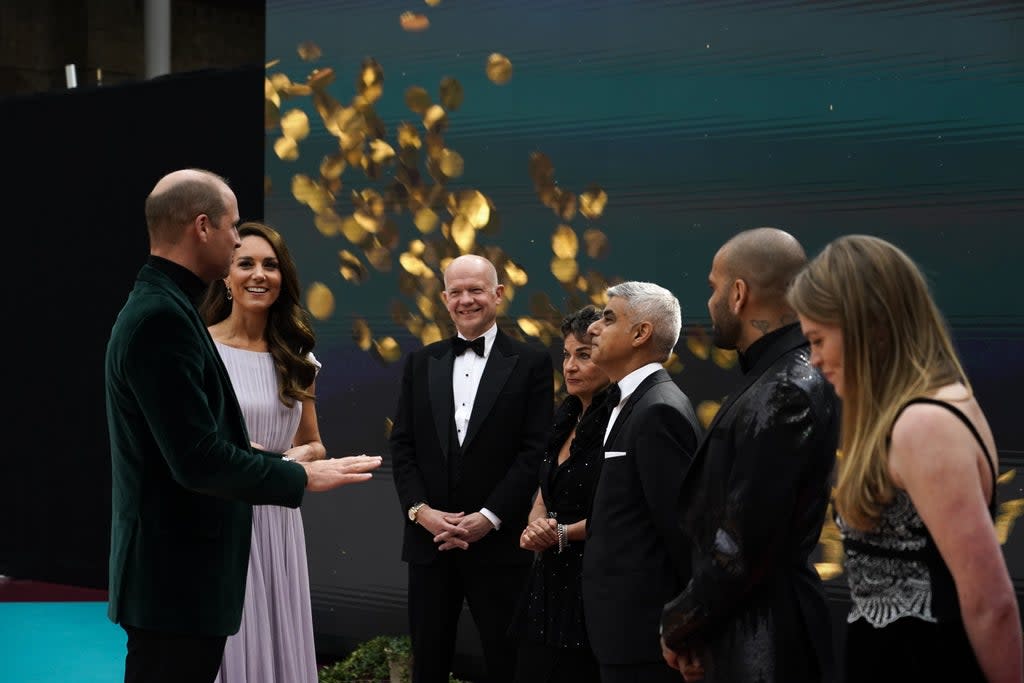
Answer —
265 340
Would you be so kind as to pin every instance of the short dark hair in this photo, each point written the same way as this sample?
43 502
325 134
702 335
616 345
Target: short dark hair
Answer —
577 322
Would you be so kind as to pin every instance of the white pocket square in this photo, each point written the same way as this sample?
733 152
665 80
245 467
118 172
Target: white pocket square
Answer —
614 454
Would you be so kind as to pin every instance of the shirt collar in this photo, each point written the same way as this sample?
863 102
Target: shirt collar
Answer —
629 383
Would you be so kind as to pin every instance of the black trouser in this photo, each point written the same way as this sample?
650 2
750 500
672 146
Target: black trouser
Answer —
436 592
162 657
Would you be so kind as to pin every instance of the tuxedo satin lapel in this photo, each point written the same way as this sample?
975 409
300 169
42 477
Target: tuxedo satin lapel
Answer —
623 416
496 372
439 377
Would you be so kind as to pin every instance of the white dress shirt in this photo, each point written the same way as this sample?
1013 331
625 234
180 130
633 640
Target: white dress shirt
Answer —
627 385
466 373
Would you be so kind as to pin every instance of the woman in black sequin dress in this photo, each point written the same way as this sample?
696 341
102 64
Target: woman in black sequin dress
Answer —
553 643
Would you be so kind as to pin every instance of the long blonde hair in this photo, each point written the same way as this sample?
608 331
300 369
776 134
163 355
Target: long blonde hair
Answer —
896 347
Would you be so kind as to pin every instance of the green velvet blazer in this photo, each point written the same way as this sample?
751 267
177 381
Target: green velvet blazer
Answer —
184 474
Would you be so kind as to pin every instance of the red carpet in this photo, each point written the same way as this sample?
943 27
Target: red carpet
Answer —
19 590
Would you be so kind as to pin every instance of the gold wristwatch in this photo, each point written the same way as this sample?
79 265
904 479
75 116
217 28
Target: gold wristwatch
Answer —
414 510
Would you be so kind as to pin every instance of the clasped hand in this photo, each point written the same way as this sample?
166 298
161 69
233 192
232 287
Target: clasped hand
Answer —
539 535
454 529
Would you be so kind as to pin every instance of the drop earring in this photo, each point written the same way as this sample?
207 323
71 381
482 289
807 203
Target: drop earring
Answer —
227 290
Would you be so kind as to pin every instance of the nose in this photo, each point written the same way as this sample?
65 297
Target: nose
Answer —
257 273
815 358
595 328
570 364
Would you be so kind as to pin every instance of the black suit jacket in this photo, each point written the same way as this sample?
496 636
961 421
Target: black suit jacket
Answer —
636 557
754 505
500 455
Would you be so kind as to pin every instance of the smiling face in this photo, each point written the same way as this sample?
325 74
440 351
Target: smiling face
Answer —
826 350
583 378
472 295
255 276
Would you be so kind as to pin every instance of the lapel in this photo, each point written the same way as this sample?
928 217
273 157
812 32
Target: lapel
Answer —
442 400
786 342
500 363
158 279
655 377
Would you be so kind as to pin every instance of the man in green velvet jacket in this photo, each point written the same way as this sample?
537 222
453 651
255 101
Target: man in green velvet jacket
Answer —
184 471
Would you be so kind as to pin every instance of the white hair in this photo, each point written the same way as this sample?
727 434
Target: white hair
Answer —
653 303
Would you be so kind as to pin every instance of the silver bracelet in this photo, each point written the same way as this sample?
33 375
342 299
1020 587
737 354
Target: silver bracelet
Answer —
563 536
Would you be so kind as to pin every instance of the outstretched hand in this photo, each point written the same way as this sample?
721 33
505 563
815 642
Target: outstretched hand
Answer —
324 475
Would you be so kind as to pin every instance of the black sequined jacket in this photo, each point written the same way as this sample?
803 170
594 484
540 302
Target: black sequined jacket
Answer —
753 504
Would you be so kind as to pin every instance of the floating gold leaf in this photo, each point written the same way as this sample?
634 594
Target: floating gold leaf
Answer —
706 411
411 21
1009 512
298 90
463 233
354 232
597 243
286 149
272 63
271 115
724 358
516 275
451 93
381 151
361 334
427 305
309 51
379 257
451 163
566 205
414 265
295 124
388 349
564 243
472 205
417 247
371 74
319 301
593 201
408 136
433 3
565 270
430 333
425 220
529 326
332 165
435 119
320 78
542 171
698 343
674 364
499 68
270 92
351 268
388 426
828 570
328 223
417 99
1006 477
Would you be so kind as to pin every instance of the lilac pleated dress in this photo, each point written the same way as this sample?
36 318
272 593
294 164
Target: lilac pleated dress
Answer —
275 641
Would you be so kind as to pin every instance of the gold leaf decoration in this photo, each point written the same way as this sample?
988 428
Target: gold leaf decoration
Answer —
286 149
597 243
529 326
417 99
724 358
593 201
319 301
435 120
387 348
565 270
413 22
309 51
463 233
425 220
1008 514
706 411
674 364
516 275
698 343
361 334
499 68
351 268
328 223
451 93
451 163
564 242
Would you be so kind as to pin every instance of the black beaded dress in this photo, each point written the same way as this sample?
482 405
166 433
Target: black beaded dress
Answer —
548 623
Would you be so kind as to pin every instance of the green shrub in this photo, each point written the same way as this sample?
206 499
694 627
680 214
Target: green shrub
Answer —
368 663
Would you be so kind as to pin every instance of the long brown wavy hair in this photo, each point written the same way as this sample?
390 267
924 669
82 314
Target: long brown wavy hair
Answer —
896 347
289 333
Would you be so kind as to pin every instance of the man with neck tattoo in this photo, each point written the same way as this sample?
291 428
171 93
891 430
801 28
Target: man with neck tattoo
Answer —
754 501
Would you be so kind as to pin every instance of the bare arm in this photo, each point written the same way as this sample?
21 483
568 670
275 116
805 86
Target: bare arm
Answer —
306 445
937 461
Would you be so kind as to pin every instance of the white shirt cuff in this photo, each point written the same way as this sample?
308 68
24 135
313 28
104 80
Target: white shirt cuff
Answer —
492 517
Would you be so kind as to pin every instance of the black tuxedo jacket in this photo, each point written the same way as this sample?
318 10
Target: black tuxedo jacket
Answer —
754 504
636 557
500 455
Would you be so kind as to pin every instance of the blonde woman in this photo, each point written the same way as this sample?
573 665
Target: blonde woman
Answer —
916 489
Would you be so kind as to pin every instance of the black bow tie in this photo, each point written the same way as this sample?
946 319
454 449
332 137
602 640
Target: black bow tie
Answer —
459 345
614 396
